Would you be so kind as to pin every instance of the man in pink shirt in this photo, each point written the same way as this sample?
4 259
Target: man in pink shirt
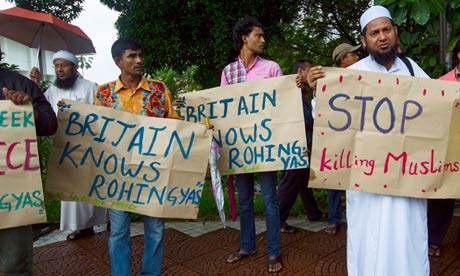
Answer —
248 35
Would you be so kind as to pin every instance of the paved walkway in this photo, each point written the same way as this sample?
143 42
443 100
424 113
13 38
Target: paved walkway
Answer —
200 248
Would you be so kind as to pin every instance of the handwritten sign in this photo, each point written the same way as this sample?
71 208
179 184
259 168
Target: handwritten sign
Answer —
387 134
114 159
258 124
21 193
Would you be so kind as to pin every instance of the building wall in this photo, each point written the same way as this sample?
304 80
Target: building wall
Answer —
26 58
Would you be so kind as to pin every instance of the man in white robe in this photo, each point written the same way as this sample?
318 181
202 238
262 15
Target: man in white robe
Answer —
77 216
387 235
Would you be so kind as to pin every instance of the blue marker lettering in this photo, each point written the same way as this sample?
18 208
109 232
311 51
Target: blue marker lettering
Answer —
265 126
233 155
242 106
159 197
270 97
406 117
253 106
225 102
107 120
231 137
335 108
98 182
155 171
66 154
152 142
128 191
175 136
211 110
374 117
139 193
123 132
114 164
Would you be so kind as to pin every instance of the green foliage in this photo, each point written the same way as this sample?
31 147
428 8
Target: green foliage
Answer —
84 62
182 33
318 28
419 27
66 10
178 83
11 67
53 207
44 84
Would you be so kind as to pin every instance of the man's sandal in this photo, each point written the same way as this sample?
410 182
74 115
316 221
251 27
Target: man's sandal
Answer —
434 250
75 235
275 265
332 229
238 255
285 228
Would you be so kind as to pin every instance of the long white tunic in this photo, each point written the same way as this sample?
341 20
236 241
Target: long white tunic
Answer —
77 215
387 235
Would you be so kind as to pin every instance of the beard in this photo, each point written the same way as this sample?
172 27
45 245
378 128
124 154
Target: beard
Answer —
66 83
384 58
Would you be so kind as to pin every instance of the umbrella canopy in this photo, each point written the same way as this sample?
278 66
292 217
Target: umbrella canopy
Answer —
43 31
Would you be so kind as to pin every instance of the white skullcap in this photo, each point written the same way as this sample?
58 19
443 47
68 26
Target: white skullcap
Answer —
372 13
66 55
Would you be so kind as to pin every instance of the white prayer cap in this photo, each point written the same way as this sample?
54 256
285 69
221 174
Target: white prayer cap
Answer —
372 13
66 55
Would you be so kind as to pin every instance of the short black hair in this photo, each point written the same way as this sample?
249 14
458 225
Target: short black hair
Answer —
299 64
242 27
123 44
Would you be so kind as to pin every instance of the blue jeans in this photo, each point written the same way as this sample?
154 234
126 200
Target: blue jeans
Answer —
245 183
334 206
120 244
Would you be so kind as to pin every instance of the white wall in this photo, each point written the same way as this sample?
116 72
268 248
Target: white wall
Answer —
26 58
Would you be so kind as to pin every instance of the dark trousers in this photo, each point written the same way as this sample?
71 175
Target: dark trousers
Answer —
440 212
16 246
293 183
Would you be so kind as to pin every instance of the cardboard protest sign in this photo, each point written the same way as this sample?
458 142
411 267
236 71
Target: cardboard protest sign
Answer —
114 159
387 134
21 193
258 124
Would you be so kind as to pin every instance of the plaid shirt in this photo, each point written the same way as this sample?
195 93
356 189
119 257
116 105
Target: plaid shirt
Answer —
235 72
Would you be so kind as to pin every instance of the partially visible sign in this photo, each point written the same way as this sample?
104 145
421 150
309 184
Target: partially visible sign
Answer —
21 193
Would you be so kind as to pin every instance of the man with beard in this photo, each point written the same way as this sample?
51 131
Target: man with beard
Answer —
17 242
387 235
79 217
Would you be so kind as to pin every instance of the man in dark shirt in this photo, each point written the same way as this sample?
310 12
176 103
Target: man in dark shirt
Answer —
16 243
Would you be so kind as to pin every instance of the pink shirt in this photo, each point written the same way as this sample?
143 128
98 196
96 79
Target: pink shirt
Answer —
235 72
451 76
